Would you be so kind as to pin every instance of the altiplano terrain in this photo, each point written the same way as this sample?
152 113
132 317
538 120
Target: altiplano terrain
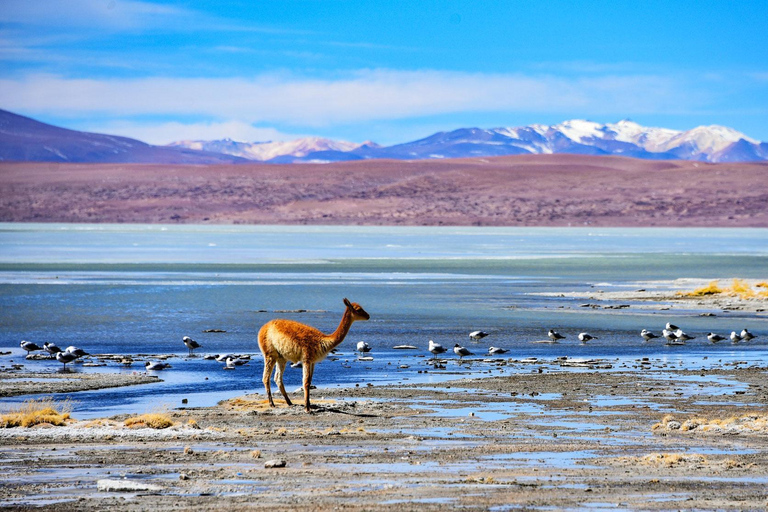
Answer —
531 190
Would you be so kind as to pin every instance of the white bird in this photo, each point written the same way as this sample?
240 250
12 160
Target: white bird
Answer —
461 351
648 335
683 336
671 327
746 335
156 366
436 348
671 337
585 337
29 346
51 348
363 347
190 344
77 352
478 335
554 335
65 357
735 338
714 338
497 350
230 364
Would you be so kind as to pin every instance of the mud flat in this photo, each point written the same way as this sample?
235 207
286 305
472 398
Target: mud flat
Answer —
21 383
642 437
671 295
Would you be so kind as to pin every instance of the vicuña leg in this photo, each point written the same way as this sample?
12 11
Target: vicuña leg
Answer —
279 379
269 363
309 369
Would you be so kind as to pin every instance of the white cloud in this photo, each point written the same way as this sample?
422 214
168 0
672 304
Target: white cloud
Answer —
165 133
363 96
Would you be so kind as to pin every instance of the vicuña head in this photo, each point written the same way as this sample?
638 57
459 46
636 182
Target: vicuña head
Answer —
286 340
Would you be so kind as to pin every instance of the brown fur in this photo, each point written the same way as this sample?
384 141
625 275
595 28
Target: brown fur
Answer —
287 340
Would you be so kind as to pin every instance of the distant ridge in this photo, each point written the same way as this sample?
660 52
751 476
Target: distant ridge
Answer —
625 138
24 139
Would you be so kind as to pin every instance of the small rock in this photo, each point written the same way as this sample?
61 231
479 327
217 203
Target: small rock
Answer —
183 476
275 463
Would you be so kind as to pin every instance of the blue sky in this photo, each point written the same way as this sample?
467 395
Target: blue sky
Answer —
384 71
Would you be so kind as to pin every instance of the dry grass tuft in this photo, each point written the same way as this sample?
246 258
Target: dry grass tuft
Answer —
739 288
747 423
672 459
37 412
158 420
711 289
742 289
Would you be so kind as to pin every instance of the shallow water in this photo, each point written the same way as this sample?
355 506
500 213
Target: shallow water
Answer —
137 289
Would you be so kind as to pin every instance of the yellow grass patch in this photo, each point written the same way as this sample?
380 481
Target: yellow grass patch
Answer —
746 423
158 420
738 288
37 412
711 289
672 459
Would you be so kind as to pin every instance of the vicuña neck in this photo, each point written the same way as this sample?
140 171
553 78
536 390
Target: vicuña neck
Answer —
334 340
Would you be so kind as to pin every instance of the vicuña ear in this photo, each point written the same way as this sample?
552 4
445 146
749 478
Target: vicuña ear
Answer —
347 303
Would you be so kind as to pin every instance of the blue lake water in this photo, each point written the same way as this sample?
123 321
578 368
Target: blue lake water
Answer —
137 289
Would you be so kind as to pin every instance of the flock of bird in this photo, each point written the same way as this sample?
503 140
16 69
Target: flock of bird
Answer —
676 336
68 355
672 333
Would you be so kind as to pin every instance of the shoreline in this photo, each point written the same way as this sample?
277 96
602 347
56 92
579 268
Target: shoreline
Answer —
567 438
643 433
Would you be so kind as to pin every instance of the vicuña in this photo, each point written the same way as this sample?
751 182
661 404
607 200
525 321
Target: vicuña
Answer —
283 340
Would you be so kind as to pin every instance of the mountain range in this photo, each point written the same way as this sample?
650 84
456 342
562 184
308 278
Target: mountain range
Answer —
24 139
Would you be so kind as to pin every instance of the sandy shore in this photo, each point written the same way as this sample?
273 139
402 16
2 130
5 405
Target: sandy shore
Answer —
673 295
568 438
564 434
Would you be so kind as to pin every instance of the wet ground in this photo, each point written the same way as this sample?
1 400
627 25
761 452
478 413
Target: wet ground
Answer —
565 437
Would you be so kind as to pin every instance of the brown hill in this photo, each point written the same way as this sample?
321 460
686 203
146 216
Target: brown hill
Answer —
23 139
530 190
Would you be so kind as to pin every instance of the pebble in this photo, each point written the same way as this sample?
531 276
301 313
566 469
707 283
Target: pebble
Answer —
275 463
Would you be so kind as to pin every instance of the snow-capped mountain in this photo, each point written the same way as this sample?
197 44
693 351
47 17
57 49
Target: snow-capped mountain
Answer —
25 139
272 151
624 138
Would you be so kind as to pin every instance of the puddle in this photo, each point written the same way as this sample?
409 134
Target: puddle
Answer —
554 459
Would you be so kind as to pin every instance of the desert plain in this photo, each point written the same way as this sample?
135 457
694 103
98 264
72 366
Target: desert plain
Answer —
534 190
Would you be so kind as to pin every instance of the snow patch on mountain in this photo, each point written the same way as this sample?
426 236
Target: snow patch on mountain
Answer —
625 138
265 151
